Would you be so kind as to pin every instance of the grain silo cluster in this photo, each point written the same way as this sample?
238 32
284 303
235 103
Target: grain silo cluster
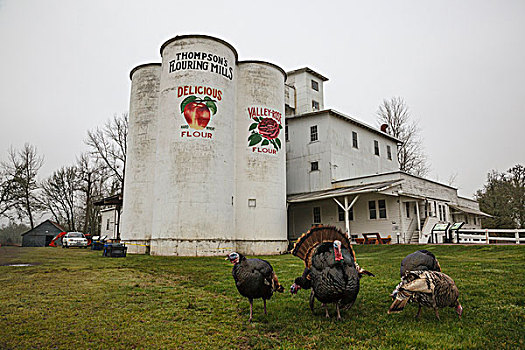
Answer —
205 170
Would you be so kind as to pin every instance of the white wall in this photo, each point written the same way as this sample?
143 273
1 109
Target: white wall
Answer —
301 216
260 174
300 152
348 162
337 158
302 81
137 210
108 223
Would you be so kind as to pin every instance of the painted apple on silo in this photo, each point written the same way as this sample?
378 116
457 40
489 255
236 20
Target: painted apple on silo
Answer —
197 111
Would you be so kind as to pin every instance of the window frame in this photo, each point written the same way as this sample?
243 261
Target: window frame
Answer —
340 211
372 209
355 141
316 215
382 210
315 105
314 85
314 165
314 133
376 148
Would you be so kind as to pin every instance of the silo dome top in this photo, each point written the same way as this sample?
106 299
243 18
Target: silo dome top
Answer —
199 36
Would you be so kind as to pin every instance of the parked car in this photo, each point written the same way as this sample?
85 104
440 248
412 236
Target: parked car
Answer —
74 239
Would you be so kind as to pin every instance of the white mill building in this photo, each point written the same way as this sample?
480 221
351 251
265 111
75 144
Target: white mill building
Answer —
212 166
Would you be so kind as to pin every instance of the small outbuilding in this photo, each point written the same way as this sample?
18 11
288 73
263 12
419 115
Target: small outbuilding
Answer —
41 235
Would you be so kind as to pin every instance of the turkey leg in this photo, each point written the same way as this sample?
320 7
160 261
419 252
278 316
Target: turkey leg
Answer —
251 310
418 312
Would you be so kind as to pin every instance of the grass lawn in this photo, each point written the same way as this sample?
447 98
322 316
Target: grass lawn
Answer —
76 299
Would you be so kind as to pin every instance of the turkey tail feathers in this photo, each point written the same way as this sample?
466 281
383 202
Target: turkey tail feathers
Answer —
362 271
306 244
276 286
398 305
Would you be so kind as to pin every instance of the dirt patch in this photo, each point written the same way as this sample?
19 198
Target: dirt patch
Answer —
10 256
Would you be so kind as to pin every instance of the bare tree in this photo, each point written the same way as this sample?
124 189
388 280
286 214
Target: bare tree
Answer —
92 184
22 168
109 146
395 114
59 196
6 193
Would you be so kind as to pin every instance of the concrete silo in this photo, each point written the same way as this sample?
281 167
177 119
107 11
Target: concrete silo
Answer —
194 179
260 176
206 158
137 211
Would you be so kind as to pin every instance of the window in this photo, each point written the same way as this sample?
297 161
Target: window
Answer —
372 210
466 219
252 202
107 224
315 85
354 140
381 204
317 215
286 133
314 166
389 152
376 147
407 208
313 133
381 208
440 213
341 213
315 105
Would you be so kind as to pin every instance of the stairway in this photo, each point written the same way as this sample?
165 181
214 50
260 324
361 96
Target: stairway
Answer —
415 237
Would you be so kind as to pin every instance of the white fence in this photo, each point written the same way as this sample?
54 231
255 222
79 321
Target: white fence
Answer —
486 236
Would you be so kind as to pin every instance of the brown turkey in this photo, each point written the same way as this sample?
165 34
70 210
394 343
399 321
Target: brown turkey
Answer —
331 269
427 288
421 260
254 279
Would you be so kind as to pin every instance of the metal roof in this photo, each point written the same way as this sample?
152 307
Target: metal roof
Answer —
345 118
343 191
469 210
308 70
111 200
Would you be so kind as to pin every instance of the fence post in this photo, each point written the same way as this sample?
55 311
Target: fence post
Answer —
487 235
517 235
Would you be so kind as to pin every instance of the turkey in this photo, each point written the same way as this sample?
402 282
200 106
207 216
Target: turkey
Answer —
427 288
420 260
254 278
331 269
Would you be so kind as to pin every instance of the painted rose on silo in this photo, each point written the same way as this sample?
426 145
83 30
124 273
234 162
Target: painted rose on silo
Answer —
268 128
265 128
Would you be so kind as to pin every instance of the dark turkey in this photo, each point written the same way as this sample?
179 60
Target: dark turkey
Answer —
331 270
254 279
419 261
427 288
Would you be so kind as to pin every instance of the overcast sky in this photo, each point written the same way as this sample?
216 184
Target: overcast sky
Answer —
459 65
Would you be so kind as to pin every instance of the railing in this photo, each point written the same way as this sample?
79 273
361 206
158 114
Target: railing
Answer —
483 236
